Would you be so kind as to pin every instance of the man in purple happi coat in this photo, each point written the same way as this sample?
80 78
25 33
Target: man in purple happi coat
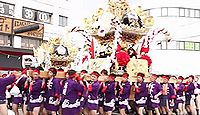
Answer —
109 90
167 97
35 90
52 92
17 99
154 91
124 93
180 98
189 94
4 82
141 93
92 98
71 94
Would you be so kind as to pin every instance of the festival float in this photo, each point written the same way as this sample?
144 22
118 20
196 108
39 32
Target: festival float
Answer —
109 38
117 30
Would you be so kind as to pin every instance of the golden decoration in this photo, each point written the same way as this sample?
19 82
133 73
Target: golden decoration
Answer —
131 33
118 8
45 53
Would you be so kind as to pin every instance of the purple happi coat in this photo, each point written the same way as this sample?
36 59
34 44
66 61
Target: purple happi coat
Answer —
101 96
124 95
70 97
171 95
179 93
170 92
52 93
154 89
83 98
36 98
109 100
4 82
141 94
92 100
189 92
190 89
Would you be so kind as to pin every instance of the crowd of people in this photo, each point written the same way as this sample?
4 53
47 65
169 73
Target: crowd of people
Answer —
83 93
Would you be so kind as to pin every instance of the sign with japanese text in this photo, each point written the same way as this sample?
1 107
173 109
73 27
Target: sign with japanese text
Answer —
37 33
29 29
5 25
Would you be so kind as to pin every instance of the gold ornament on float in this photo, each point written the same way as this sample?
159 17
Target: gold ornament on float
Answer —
55 53
134 23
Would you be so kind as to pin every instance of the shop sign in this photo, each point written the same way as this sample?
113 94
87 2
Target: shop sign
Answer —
5 25
38 33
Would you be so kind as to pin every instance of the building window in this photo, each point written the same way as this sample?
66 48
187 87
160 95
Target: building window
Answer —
197 13
181 45
189 45
173 11
172 45
5 40
164 12
197 46
192 13
7 9
63 21
155 12
182 12
187 12
36 15
28 43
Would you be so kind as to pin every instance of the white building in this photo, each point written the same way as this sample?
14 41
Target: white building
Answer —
182 19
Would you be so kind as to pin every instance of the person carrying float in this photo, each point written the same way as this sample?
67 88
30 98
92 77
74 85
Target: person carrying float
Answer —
180 98
93 87
35 96
189 95
17 92
197 92
101 96
70 98
124 93
141 93
52 92
4 82
154 92
109 90
167 97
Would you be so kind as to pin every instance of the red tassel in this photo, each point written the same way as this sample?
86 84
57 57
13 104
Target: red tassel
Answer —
31 86
173 96
121 91
137 90
104 89
90 88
